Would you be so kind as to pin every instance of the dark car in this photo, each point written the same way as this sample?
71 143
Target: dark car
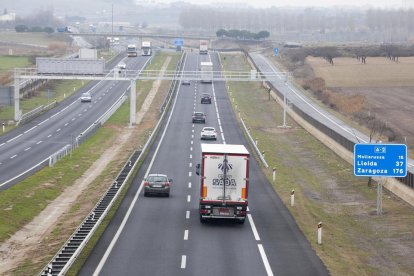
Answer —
157 184
205 98
199 117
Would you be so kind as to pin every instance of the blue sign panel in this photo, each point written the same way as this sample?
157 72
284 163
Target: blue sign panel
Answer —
385 160
275 51
179 42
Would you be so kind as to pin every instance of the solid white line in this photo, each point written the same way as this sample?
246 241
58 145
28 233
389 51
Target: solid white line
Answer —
13 156
188 198
189 184
14 138
248 209
265 261
126 217
187 214
183 261
30 129
55 114
191 164
186 235
27 148
43 122
255 233
189 174
39 142
2 144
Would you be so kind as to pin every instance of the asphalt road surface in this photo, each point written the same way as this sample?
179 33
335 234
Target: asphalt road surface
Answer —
163 235
30 144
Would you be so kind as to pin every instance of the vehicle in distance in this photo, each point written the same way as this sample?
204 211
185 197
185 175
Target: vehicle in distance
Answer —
132 50
206 69
208 133
157 184
122 65
205 98
199 117
185 82
224 171
86 97
203 47
146 48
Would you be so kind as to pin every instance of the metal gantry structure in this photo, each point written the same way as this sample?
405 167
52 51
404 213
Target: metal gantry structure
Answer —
135 75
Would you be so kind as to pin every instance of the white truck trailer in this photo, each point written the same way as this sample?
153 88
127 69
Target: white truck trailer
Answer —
146 48
224 172
203 47
206 68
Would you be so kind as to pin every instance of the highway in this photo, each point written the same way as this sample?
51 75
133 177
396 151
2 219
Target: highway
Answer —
32 143
163 236
296 97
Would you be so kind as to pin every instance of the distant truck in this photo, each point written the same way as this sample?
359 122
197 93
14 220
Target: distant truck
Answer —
203 47
146 48
206 69
132 50
224 172
64 29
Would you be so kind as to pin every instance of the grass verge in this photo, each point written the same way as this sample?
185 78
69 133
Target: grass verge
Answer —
356 241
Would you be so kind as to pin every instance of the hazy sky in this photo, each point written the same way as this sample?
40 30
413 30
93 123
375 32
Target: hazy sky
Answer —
318 3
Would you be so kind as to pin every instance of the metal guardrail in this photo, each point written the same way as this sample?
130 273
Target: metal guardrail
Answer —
261 156
66 256
35 112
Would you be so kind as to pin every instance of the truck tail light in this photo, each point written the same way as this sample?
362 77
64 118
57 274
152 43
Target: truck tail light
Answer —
146 184
244 193
204 191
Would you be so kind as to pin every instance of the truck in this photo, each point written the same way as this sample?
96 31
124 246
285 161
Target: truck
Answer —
224 182
206 68
146 48
203 47
132 50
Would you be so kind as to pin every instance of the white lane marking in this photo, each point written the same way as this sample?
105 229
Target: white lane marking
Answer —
85 110
255 233
80 114
192 142
191 156
30 129
187 214
192 136
57 130
39 142
55 115
73 119
217 112
50 135
135 199
43 122
192 125
183 261
265 261
14 138
189 184
248 209
191 164
66 124
186 235
27 149
192 130
189 198
2 144
191 148
190 174
13 156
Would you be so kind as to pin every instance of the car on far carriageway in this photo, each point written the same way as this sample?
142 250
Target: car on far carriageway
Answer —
185 82
205 98
86 97
208 133
157 184
199 117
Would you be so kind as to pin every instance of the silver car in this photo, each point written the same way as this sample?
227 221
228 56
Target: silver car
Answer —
86 97
208 133
157 184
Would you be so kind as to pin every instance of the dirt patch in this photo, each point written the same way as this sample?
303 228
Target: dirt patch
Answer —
40 238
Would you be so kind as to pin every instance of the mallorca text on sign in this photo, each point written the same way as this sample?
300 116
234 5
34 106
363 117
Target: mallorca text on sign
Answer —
383 160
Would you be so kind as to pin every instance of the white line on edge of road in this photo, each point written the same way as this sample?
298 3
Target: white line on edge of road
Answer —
14 138
135 199
183 261
265 261
30 129
255 233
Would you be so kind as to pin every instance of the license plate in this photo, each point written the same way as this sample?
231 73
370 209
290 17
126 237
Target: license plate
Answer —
224 211
156 186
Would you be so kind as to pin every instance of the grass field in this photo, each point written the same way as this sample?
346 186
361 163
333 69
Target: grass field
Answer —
40 39
8 63
356 241
377 72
